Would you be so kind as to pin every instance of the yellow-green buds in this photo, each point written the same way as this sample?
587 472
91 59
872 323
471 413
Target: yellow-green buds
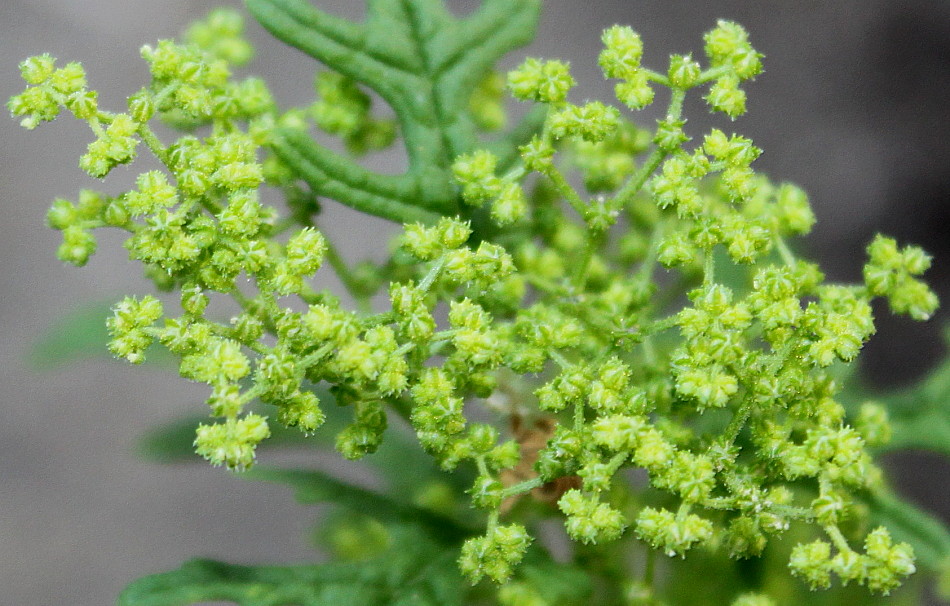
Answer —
882 567
890 272
672 534
153 193
622 52
592 122
589 520
219 34
494 555
728 46
128 327
541 81
726 96
233 442
342 109
683 72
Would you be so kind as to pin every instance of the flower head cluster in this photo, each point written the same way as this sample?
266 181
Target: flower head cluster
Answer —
535 307
882 567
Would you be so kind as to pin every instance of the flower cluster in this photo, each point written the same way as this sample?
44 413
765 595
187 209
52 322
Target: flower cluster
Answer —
880 568
537 307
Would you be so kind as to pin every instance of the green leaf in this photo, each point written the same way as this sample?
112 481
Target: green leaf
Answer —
426 64
414 571
80 333
314 487
920 416
925 533
557 583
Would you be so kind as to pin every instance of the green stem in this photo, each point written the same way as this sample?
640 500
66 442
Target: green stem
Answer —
579 414
709 268
713 73
738 422
636 182
564 188
379 319
834 533
522 487
316 356
594 241
433 275
154 143
346 276
560 360
784 251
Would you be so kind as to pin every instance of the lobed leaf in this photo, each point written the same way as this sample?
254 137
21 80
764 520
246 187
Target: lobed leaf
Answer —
414 571
426 64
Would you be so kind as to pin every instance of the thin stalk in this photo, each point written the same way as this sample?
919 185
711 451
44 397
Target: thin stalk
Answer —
347 277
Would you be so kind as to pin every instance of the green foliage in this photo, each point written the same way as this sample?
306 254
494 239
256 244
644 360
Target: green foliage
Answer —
412 571
920 415
426 65
529 352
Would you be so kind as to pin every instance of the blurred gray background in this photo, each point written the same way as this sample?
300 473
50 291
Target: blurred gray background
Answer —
852 106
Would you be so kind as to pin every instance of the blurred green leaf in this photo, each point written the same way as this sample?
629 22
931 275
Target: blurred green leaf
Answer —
557 583
413 572
920 415
80 333
314 487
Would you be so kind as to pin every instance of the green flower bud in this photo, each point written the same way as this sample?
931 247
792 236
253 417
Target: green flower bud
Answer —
726 96
233 442
812 562
422 242
154 192
873 424
37 69
683 72
69 79
220 35
84 104
486 492
661 529
37 104
669 134
476 173
541 81
305 251
77 246
622 52
728 44
795 212
487 102
537 154
365 435
592 122
61 214
494 555
635 92
453 232
510 206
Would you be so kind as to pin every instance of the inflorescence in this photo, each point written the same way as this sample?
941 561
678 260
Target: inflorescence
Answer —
565 307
